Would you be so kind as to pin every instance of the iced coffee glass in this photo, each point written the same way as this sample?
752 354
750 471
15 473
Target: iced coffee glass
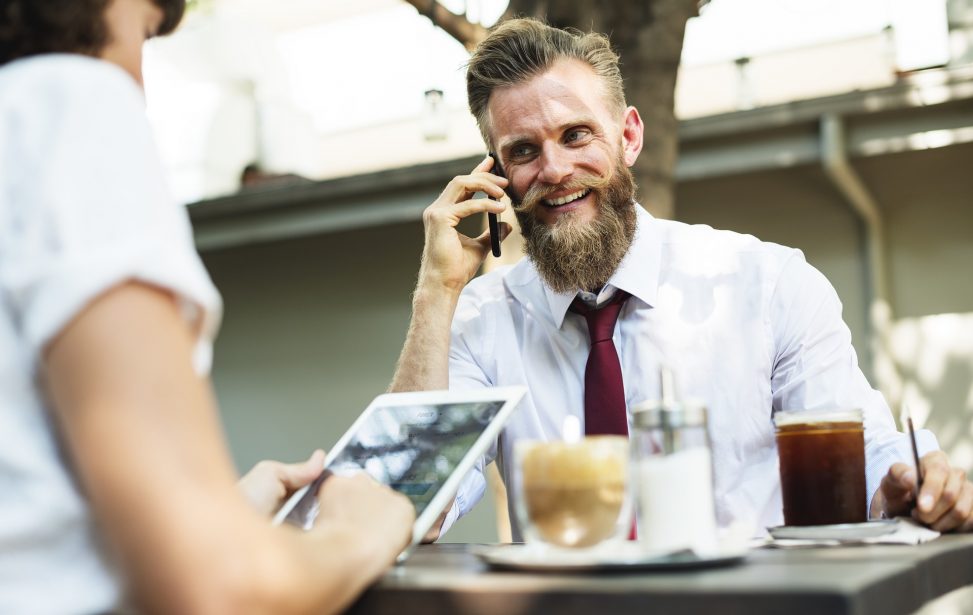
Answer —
822 466
572 494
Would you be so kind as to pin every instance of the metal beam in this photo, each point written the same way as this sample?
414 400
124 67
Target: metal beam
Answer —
717 154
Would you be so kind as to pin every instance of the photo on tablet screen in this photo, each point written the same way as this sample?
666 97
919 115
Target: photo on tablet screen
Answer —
414 449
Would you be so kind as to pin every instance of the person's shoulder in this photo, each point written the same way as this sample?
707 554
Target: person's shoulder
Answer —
489 286
485 302
65 69
490 294
58 107
684 239
65 79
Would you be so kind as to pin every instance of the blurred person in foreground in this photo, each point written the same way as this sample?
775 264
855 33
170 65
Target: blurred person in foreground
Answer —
749 326
116 486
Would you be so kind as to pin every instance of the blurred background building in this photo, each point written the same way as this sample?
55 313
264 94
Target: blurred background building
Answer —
307 137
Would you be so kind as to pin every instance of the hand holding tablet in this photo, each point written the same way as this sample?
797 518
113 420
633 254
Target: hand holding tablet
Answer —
419 444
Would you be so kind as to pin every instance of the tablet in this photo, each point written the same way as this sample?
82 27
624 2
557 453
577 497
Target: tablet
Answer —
420 444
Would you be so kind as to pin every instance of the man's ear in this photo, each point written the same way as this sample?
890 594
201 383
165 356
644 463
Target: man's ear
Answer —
631 135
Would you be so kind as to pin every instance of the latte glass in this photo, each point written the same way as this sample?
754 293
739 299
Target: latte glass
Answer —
572 494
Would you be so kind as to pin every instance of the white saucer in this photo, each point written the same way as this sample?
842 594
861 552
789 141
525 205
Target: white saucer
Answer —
840 531
626 556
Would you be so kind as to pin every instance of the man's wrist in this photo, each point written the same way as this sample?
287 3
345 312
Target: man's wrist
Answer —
431 290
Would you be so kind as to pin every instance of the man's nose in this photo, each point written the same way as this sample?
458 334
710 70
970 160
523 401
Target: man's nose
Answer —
556 165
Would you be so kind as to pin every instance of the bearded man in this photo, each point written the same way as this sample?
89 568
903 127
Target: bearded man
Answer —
609 294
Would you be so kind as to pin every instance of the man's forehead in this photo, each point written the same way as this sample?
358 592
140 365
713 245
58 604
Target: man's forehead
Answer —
564 95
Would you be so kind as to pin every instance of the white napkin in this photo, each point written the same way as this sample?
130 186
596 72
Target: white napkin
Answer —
906 532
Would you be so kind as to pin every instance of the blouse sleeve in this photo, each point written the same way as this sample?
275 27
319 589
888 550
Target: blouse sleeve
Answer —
87 207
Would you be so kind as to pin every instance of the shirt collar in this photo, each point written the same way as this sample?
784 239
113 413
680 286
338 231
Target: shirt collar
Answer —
638 273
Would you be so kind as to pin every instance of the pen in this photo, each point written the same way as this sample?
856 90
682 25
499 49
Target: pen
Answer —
915 449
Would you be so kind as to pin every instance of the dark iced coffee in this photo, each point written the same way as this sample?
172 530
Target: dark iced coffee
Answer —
822 466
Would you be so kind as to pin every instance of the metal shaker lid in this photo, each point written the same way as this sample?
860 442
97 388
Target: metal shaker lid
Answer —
668 412
653 415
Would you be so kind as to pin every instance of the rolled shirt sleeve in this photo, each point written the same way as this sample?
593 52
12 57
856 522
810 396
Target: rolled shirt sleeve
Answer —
470 492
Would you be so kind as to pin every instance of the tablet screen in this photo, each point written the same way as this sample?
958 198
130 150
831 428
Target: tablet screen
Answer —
413 449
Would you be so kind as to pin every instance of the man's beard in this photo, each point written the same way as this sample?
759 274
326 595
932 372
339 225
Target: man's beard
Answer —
573 255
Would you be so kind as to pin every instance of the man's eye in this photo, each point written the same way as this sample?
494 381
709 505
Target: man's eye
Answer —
575 134
519 151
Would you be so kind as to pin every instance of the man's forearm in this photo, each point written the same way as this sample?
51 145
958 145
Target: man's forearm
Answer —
424 362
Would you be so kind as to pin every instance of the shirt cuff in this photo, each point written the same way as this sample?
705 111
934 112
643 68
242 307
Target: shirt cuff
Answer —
470 491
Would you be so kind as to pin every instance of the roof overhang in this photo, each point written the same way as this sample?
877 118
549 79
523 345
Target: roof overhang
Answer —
925 110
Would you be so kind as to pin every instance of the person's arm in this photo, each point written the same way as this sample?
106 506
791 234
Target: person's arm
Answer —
142 431
449 261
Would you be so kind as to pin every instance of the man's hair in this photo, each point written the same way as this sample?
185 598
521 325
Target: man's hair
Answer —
32 27
520 49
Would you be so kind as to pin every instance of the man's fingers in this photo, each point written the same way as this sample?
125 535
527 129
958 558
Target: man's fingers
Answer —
465 209
935 473
945 501
959 516
485 165
900 482
940 515
463 187
482 241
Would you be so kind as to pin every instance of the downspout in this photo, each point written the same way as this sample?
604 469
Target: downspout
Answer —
834 159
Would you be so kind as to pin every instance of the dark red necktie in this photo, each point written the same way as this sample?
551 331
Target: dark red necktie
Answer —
604 394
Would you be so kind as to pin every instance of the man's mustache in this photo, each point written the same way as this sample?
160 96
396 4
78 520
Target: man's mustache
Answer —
538 192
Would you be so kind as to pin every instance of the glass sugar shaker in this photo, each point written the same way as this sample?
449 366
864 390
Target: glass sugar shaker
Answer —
672 473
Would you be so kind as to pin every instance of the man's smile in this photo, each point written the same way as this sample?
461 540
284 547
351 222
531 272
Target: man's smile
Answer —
564 200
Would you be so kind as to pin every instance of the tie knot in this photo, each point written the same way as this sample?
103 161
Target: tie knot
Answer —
601 320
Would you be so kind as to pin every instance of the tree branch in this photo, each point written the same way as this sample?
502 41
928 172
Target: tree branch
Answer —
457 26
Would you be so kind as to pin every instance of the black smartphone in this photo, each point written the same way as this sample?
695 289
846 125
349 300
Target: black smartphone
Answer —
492 219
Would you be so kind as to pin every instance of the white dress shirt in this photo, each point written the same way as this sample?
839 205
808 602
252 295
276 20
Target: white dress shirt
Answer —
83 208
748 327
